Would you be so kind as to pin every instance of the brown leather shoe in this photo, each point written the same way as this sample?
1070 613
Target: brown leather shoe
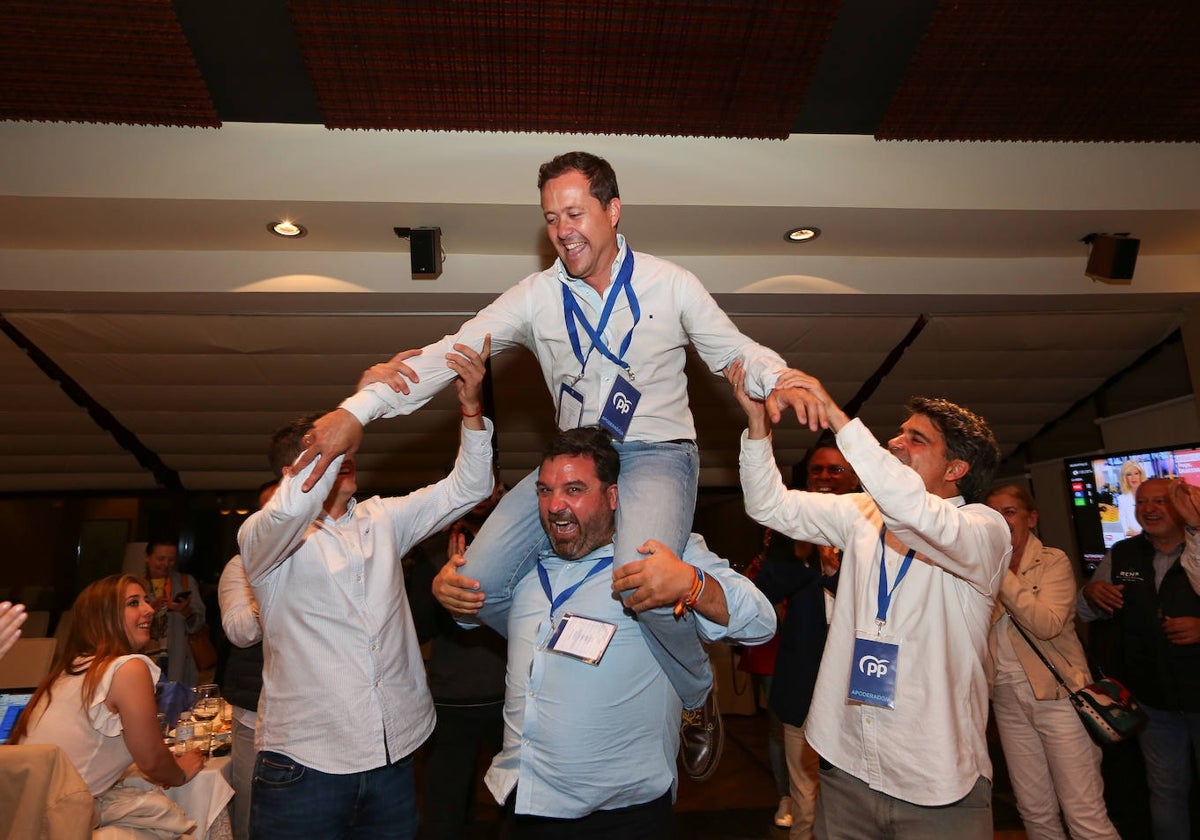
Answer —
701 739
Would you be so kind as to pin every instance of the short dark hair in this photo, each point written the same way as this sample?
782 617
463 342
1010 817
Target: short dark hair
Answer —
161 539
968 438
602 180
587 441
287 442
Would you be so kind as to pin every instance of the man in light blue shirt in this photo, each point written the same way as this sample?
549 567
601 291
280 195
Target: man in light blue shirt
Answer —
590 716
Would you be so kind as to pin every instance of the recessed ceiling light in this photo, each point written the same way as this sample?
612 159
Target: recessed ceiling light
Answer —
287 229
802 234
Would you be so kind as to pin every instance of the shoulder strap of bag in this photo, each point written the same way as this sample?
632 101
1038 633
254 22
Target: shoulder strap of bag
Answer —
1040 655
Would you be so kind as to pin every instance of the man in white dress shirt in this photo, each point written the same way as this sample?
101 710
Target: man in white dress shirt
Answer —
344 702
901 701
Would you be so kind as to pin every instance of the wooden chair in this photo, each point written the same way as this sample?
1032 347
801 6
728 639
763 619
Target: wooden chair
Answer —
27 663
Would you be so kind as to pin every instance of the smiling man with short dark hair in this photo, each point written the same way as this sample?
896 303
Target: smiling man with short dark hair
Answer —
590 716
901 702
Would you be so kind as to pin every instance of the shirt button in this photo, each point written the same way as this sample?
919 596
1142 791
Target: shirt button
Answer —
358 578
374 647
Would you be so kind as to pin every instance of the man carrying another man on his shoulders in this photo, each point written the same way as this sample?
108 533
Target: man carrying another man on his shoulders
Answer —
590 717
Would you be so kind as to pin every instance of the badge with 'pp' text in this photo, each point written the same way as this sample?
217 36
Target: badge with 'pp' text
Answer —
619 407
873 672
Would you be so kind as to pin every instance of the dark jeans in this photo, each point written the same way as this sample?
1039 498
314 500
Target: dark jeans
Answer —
648 821
294 801
453 767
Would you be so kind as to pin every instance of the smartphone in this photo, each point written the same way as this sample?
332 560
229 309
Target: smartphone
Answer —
182 596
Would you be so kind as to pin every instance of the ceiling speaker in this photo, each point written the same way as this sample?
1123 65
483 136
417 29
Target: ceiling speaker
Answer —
1112 258
425 251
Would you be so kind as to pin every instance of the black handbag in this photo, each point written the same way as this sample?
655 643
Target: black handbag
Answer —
1110 713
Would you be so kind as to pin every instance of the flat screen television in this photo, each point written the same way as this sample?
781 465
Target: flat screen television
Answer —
1100 492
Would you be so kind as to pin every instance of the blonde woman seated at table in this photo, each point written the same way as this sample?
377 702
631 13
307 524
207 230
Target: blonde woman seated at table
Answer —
97 703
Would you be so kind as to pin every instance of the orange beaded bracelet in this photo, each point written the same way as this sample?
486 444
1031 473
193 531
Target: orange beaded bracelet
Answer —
688 601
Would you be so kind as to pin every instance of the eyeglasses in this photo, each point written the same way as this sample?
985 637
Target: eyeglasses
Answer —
832 469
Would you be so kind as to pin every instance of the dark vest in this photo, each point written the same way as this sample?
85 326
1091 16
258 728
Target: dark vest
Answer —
1160 674
242 681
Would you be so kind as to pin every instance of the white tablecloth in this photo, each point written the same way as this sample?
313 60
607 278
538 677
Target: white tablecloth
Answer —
205 799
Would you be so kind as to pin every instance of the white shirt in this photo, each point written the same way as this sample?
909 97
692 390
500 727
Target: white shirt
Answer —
343 681
90 733
239 619
676 310
931 749
239 609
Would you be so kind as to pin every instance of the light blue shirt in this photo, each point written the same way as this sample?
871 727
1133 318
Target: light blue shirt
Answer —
581 738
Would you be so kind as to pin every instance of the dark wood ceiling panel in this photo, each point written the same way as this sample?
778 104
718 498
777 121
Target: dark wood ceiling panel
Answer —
1069 70
737 68
117 61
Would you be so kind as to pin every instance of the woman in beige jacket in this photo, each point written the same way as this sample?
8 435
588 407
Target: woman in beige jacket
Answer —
1052 763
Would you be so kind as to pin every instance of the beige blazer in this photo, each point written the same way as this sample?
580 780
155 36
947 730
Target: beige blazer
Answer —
1041 597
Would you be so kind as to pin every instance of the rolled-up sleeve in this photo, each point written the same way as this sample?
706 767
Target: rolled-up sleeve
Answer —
751 616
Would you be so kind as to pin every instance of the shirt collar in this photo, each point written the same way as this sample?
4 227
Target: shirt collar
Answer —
345 517
591 557
1173 554
561 271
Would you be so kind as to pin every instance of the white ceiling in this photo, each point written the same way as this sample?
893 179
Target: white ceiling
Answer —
136 259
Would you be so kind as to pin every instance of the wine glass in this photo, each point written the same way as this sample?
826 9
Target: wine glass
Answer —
208 706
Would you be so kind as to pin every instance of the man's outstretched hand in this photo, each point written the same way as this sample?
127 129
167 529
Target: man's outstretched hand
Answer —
394 373
336 433
808 398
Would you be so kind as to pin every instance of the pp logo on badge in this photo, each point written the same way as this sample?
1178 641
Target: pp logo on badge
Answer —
873 666
873 672
620 408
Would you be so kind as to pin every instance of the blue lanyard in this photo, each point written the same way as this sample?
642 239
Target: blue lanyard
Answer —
563 596
572 313
884 597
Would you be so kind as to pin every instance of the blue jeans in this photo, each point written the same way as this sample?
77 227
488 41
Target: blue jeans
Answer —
294 801
656 500
1171 747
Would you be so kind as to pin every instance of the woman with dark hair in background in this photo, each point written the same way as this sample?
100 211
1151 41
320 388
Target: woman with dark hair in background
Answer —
178 612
